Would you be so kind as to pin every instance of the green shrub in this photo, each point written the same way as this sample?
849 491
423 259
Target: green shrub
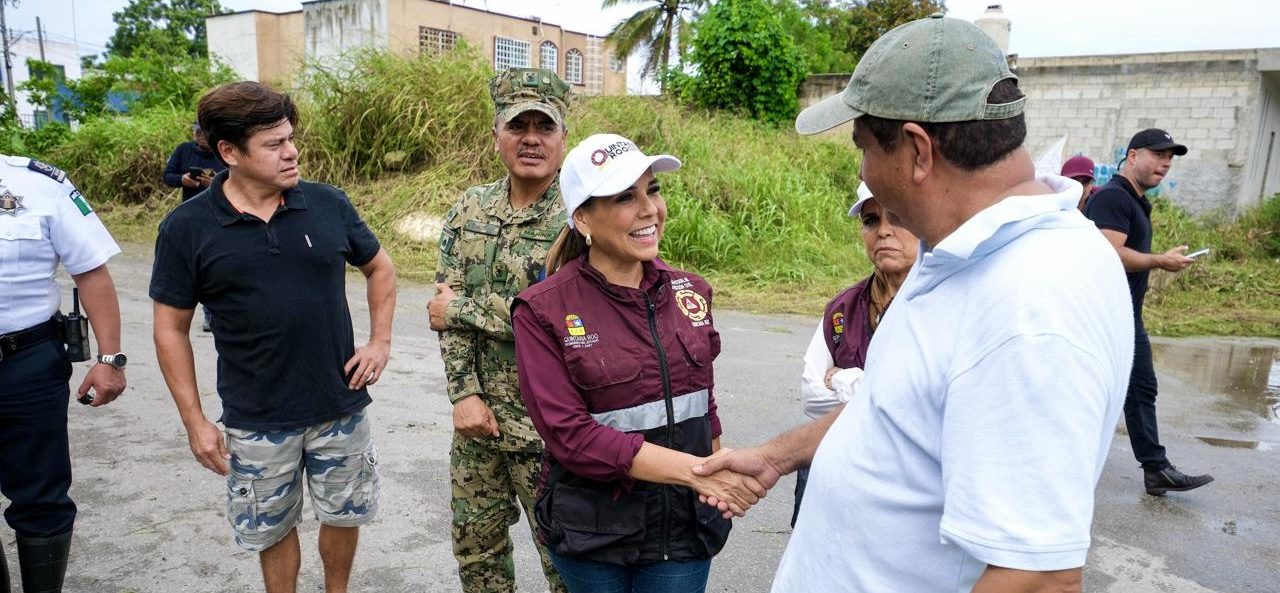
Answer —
1264 221
746 62
121 159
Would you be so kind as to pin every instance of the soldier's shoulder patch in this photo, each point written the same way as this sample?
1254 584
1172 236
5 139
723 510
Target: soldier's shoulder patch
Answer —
47 170
451 215
448 237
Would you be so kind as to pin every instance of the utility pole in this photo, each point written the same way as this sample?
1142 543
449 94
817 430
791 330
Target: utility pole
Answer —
40 37
8 64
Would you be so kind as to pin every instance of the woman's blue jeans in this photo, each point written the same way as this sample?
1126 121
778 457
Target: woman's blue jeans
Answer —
668 576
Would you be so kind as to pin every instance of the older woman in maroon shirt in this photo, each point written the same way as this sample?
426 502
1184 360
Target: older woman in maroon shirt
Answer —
615 351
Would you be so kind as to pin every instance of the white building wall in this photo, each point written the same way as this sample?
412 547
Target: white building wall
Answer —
233 39
55 52
335 26
1264 163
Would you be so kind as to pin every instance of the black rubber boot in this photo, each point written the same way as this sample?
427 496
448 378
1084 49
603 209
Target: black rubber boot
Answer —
43 562
4 571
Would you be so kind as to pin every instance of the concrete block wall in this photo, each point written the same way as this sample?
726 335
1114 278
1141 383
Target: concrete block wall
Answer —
1224 105
1206 100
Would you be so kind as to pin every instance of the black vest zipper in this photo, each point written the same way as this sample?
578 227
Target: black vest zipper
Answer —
671 414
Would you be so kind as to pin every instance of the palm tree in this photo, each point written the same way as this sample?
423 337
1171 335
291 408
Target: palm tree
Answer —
653 28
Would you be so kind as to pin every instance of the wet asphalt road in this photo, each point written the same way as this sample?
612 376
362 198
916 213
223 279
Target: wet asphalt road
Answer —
153 520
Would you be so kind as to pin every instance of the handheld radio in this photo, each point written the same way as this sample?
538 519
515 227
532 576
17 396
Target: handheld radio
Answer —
75 330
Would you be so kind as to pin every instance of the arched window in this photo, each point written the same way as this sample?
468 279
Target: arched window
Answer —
573 66
549 57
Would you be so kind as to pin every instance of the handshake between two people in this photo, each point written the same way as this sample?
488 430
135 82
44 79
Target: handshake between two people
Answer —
733 481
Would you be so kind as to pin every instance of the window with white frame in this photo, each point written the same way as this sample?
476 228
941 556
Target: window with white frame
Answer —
511 53
573 66
549 57
615 63
432 40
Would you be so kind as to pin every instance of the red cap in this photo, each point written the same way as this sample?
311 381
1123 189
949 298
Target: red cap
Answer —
1078 166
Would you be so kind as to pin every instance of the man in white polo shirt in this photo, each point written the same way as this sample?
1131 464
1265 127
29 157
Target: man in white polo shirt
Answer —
968 456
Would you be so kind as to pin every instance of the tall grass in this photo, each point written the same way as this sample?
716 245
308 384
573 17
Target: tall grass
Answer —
375 113
750 203
1235 290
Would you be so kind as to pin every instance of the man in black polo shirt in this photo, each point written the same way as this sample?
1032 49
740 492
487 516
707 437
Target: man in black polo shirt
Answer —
1123 213
267 254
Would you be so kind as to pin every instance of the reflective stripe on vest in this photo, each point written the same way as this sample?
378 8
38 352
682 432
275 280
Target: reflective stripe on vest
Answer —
654 414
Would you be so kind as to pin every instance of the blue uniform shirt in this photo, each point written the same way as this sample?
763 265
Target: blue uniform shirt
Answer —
44 220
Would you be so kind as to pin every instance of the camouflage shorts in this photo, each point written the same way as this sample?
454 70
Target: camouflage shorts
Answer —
264 488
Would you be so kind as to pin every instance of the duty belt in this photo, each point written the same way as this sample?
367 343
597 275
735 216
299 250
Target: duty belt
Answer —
19 340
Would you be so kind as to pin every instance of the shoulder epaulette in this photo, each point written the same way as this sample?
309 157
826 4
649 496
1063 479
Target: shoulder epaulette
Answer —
48 170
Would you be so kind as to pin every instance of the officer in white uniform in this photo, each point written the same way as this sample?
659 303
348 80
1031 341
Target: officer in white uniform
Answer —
43 221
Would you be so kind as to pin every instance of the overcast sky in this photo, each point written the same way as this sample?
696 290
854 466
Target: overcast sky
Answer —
1040 27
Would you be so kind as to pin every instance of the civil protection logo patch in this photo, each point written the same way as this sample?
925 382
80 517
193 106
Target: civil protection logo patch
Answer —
575 325
691 304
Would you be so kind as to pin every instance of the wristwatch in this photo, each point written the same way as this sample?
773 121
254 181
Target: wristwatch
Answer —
117 360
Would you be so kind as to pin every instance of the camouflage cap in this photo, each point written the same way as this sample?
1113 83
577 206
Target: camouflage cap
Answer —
517 90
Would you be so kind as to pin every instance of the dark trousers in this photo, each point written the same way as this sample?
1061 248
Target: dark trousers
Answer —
35 459
1140 405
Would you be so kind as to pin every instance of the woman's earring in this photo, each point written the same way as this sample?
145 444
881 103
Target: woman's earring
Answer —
588 239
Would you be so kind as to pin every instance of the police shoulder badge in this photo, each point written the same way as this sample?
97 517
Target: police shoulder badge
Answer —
691 304
10 204
47 170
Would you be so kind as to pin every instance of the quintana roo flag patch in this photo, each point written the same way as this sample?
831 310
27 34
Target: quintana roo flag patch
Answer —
575 325
47 170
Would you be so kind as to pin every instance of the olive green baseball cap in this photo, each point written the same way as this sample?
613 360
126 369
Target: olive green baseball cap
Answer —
933 70
517 90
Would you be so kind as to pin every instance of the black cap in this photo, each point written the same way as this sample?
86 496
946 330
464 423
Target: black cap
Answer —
1156 139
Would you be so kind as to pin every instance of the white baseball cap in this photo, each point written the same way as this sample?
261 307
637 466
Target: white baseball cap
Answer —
605 165
864 194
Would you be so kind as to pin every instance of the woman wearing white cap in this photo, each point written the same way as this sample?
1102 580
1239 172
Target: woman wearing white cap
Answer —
836 355
615 351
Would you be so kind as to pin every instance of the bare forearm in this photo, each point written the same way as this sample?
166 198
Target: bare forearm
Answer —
1007 580
98 293
381 293
1137 261
177 362
794 449
660 465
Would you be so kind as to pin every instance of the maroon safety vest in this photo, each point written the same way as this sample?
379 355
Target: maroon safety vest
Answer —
846 325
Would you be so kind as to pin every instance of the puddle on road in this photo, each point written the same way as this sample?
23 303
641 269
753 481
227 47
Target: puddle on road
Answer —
1234 444
1247 375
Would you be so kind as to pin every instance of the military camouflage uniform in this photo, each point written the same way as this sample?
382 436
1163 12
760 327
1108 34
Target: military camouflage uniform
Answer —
490 252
